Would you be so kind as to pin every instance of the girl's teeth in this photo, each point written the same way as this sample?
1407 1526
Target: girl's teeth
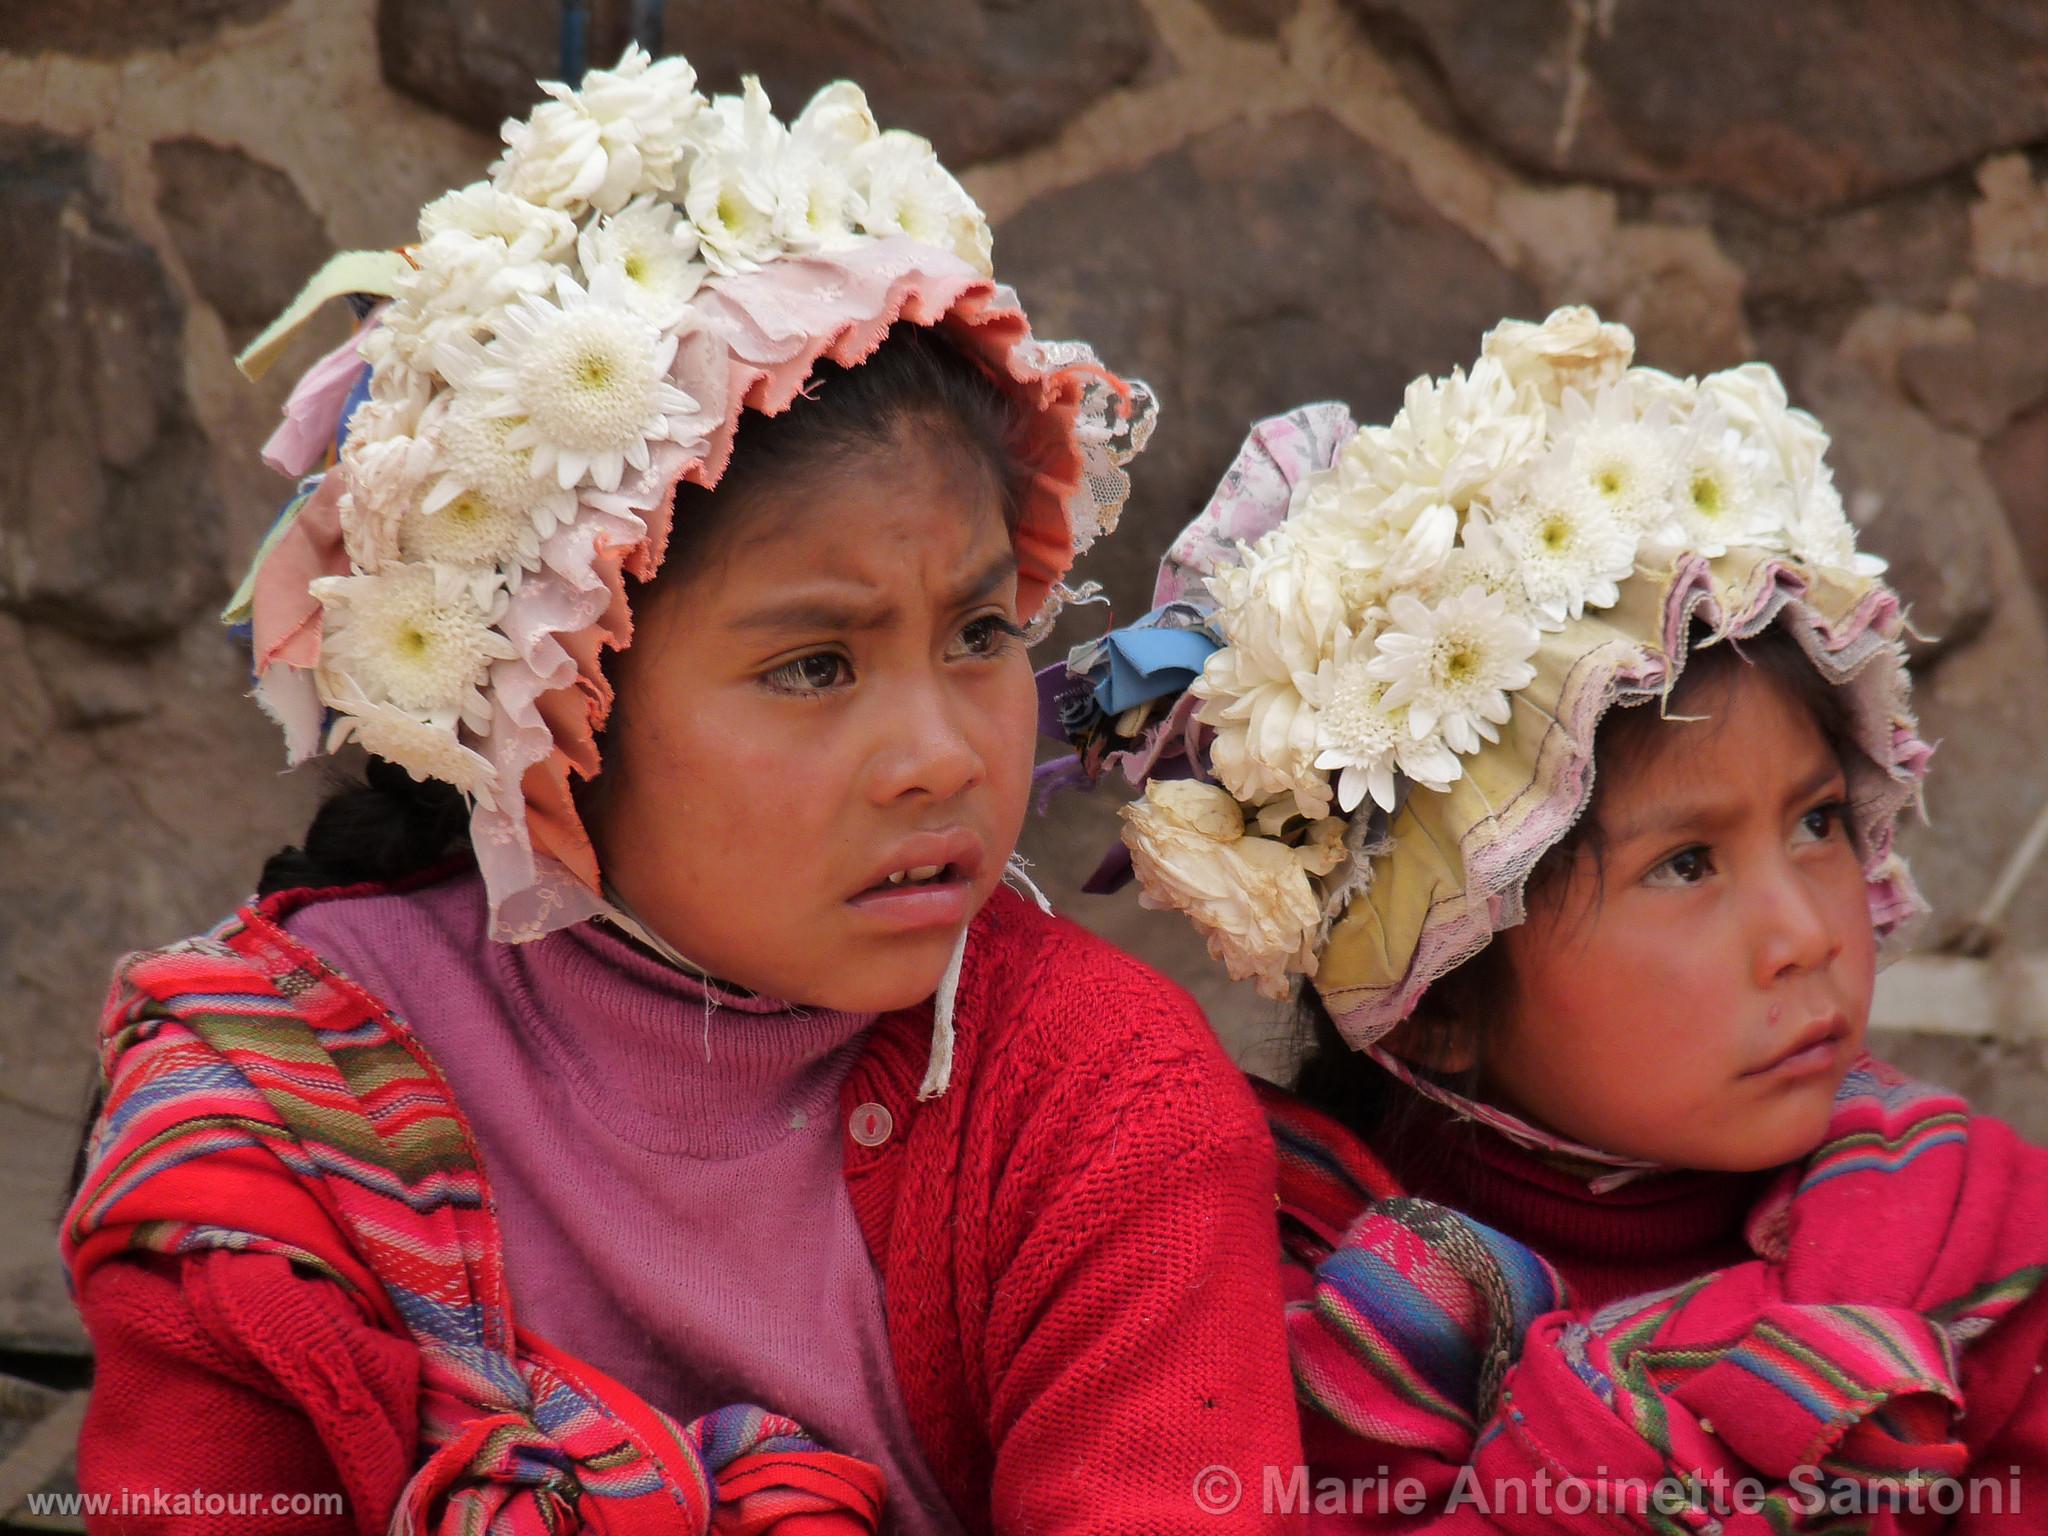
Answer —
922 873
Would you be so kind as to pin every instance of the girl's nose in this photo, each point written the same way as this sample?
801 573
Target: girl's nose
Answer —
925 748
1793 931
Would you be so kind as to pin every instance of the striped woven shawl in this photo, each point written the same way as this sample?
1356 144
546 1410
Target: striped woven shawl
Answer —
1903 1240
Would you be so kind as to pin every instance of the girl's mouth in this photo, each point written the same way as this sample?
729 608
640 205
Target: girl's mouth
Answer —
1814 1051
927 883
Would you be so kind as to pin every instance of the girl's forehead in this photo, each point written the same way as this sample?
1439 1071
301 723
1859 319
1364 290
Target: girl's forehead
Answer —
1740 739
871 516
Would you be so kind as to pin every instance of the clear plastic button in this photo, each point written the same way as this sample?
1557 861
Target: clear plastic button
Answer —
871 1125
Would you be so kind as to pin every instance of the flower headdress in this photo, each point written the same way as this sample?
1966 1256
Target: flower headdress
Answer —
565 344
1365 704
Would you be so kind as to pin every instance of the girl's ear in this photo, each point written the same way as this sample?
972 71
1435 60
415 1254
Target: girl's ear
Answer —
1429 1045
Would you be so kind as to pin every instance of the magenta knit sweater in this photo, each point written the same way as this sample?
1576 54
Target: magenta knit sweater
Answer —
666 1161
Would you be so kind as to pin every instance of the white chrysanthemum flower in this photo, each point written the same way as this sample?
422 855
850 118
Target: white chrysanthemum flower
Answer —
815 205
381 476
1753 399
1573 555
652 251
1364 739
586 377
1724 497
397 389
486 540
1251 897
1573 349
1373 563
1280 607
413 636
459 288
835 122
1822 535
475 455
1264 746
527 231
905 191
1453 666
426 749
1606 454
1451 440
1793 448
1482 560
622 134
732 190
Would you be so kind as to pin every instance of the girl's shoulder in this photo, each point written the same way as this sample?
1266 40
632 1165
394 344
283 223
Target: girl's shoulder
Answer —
322 955
1045 994
1047 970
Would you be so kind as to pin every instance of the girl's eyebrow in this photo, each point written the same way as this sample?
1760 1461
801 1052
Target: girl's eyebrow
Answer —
849 609
1709 814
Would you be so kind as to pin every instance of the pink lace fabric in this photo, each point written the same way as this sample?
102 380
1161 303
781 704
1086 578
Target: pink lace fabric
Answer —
758 339
1254 495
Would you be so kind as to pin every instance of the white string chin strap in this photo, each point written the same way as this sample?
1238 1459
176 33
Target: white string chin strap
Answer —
938 1072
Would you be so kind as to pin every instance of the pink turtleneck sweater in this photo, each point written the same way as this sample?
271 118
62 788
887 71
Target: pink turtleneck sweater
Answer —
665 1161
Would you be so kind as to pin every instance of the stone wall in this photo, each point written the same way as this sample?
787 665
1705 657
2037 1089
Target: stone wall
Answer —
1249 202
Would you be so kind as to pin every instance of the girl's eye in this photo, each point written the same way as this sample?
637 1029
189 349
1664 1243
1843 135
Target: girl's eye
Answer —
1688 866
819 672
1824 821
989 635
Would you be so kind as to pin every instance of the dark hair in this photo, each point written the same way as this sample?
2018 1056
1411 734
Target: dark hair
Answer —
389 826
1455 1016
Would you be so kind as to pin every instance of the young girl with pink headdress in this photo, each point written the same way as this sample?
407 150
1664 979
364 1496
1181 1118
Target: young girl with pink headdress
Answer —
1598 1216
654 1033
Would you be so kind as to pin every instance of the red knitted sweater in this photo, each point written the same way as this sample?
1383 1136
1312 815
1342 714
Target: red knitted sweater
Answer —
1077 1251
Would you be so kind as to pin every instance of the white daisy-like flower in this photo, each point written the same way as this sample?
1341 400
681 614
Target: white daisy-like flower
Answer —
1482 560
905 191
1607 454
1371 565
488 541
1364 740
474 455
1572 349
622 134
1573 555
1253 898
527 231
652 250
1453 666
816 208
587 378
413 636
1450 442
1724 496
732 190
425 749
1822 535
